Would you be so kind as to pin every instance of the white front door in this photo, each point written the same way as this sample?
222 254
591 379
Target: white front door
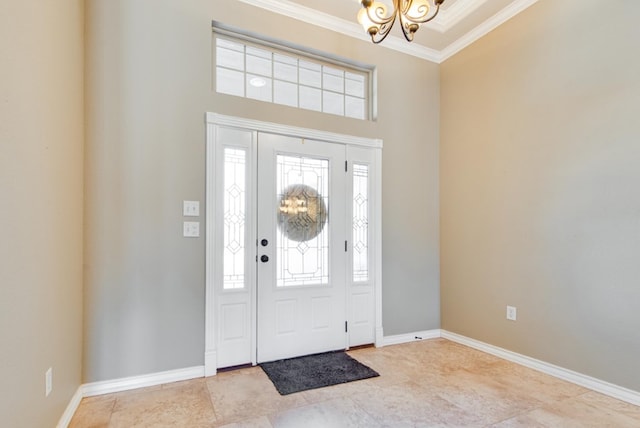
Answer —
301 249
293 193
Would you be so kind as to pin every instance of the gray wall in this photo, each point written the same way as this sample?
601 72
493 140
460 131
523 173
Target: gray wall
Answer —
41 146
149 84
540 202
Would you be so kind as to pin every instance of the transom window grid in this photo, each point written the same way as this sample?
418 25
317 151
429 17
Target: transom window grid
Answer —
291 79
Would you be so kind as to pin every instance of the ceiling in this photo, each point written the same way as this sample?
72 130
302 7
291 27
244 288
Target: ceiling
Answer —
459 23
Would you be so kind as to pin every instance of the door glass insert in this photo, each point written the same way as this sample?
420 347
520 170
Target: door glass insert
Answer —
360 223
234 218
302 238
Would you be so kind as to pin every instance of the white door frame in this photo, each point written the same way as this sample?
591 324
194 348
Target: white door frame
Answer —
212 121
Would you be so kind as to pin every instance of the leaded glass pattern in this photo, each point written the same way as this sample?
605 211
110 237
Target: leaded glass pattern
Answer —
234 218
302 238
266 74
360 223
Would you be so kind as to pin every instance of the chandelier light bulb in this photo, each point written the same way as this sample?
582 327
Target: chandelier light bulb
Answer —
367 24
377 22
418 8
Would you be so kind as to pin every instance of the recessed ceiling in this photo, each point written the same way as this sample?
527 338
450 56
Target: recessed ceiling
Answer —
459 23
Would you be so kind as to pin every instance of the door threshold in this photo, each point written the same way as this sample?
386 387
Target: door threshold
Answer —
233 368
355 348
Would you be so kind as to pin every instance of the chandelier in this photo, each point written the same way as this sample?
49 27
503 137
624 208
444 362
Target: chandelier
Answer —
376 20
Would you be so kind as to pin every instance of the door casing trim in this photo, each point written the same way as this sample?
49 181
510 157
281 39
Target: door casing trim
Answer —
215 119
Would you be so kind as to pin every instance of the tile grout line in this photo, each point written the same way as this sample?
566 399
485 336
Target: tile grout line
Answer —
213 408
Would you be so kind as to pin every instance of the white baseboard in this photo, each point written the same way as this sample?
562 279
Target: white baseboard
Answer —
152 379
133 382
66 417
125 384
615 391
410 337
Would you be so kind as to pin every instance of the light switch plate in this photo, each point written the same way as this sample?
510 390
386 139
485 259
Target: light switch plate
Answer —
191 208
191 229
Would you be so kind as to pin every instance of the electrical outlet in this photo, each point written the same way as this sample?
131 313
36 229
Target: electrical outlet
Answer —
48 382
512 313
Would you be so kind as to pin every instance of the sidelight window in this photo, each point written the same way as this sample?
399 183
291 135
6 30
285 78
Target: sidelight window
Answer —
234 218
360 223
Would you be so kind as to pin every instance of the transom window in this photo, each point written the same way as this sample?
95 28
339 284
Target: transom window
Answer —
289 77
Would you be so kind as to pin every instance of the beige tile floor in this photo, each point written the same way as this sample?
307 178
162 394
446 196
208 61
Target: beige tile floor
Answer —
430 383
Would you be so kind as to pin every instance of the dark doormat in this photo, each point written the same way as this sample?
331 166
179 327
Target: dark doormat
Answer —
315 371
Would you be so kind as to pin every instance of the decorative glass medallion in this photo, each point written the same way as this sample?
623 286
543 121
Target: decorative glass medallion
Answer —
302 213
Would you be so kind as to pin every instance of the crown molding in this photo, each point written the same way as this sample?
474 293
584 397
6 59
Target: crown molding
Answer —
442 23
449 17
486 27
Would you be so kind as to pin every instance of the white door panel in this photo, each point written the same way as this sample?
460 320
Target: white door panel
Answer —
301 258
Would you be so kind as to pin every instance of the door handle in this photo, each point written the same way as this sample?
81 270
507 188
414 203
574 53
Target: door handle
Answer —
264 258
264 242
